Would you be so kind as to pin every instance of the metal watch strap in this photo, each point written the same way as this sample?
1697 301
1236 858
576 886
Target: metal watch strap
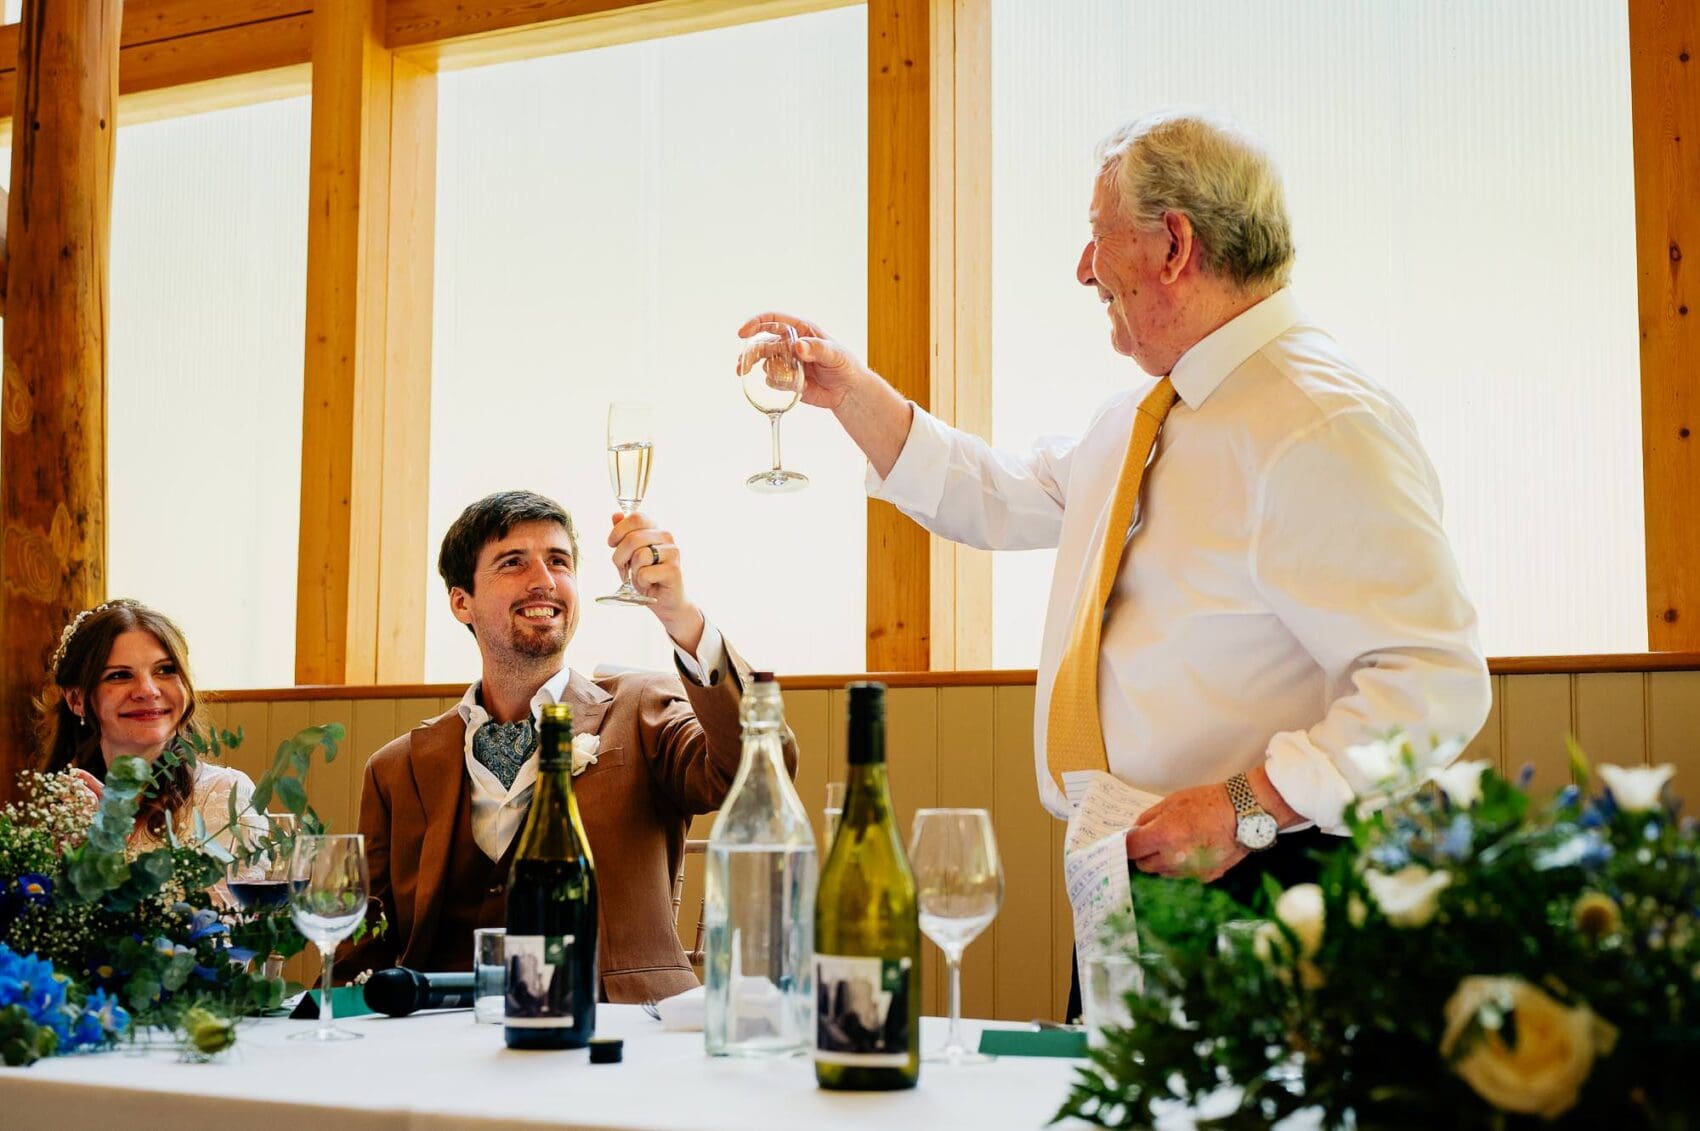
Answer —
1241 795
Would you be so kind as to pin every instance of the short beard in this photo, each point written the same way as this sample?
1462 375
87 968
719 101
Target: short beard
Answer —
537 646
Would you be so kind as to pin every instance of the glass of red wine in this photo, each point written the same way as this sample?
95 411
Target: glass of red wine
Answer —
259 878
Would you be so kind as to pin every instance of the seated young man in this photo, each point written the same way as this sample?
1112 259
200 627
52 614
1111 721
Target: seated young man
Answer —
442 806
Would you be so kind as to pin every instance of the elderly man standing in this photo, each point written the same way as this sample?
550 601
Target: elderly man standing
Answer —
1251 572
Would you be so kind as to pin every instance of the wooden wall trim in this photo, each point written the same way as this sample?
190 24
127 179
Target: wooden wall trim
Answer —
1664 82
1000 677
447 35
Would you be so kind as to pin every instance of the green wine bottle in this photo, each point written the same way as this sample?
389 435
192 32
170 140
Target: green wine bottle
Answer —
867 929
551 942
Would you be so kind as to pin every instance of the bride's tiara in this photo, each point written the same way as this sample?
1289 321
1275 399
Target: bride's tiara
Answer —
70 632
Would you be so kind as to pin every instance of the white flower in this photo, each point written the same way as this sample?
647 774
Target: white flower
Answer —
584 752
1408 896
1637 788
1300 908
1543 1070
1379 762
1461 782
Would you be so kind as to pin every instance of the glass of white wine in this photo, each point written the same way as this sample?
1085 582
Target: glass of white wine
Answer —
631 445
772 379
959 888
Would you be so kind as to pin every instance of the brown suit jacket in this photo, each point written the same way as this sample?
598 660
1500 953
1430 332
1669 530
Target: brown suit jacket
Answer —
669 750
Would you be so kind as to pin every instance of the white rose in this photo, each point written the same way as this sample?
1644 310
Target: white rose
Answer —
1300 907
584 752
1638 788
1408 896
1554 1052
1378 762
1461 782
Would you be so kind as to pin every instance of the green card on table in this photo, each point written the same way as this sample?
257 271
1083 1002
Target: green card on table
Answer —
1031 1042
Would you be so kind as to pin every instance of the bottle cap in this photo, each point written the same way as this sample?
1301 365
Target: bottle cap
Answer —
558 713
761 677
606 1050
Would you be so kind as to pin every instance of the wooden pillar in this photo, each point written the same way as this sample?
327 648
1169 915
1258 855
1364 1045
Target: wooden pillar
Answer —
53 450
929 304
1664 73
366 404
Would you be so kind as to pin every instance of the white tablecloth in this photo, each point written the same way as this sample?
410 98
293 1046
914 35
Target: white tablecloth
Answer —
441 1070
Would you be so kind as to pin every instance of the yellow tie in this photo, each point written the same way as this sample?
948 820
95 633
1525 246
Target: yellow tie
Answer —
1074 735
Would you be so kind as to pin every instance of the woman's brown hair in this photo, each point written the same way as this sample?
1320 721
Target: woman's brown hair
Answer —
67 741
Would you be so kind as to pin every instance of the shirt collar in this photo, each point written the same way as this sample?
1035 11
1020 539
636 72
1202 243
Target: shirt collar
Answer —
473 714
1203 367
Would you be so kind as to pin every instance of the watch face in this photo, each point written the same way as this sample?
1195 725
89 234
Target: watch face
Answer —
1256 831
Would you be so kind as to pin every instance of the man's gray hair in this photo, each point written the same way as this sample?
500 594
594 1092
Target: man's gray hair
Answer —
1219 178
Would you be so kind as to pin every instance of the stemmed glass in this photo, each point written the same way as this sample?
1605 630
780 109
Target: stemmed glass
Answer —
630 446
772 378
261 881
327 900
959 885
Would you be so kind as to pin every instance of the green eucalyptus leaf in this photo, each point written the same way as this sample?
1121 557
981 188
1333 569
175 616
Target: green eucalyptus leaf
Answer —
293 794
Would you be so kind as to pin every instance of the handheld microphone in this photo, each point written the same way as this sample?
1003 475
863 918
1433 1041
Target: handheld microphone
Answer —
399 991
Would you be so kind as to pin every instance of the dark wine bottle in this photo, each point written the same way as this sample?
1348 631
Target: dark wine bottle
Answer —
867 928
551 941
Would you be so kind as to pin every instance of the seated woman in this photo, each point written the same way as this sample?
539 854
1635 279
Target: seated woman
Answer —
119 685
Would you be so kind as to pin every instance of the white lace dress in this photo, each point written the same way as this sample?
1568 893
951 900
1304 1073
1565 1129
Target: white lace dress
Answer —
213 789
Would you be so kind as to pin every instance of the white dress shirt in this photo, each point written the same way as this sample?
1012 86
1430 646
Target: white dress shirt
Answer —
498 811
1287 590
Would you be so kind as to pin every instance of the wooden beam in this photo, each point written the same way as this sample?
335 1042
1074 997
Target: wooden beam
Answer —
1664 72
370 197
929 230
171 44
449 34
53 456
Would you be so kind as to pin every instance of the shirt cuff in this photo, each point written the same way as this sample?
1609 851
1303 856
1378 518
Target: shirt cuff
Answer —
1306 777
710 657
917 480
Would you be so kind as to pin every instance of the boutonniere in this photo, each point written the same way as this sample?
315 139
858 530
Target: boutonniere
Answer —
584 752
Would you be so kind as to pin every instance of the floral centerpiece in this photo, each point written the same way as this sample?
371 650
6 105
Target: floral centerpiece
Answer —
1470 958
95 938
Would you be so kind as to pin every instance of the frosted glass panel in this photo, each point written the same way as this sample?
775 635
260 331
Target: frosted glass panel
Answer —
606 219
1460 182
209 261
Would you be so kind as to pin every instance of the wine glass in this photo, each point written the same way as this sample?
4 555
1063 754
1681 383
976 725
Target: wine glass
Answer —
959 886
772 378
258 880
327 900
630 447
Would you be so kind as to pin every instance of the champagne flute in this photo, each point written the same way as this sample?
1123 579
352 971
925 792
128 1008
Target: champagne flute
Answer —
959 886
630 447
327 900
772 378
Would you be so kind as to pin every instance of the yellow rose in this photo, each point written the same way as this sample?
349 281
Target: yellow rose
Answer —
1554 1050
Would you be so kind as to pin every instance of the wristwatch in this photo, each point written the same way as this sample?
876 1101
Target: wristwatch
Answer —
1254 828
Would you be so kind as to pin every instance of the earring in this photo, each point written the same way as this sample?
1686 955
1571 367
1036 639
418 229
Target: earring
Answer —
83 721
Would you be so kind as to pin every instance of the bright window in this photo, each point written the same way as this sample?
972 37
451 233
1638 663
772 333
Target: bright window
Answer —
209 263
606 219
1460 182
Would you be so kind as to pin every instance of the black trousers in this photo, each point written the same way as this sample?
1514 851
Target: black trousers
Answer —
1290 861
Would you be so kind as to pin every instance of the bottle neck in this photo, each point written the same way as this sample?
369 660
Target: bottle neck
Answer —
555 754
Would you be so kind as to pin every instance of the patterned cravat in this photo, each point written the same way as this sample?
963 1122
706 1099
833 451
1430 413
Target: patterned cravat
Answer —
1074 734
502 748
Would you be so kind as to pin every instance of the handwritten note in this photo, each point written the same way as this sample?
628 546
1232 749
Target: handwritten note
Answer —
1095 853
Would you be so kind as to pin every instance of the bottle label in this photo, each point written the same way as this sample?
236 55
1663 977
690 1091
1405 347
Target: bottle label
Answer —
862 1011
539 991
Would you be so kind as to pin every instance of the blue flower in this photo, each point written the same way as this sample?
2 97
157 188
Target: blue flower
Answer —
1567 796
1389 857
100 1021
35 888
1455 845
205 924
30 982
